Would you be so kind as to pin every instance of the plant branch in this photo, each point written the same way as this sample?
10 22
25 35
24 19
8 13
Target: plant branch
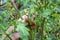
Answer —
13 4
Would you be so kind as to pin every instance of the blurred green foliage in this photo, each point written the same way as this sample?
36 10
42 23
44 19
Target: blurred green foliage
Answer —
48 9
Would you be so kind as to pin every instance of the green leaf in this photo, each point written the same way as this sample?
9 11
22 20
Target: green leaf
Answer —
49 38
19 1
58 1
23 31
57 8
46 13
24 2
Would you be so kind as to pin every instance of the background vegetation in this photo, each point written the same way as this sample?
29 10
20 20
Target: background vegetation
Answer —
30 20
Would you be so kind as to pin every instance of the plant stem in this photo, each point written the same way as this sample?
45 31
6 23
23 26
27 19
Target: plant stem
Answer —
8 36
2 27
42 28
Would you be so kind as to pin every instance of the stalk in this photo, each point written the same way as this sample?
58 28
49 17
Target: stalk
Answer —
5 32
42 28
